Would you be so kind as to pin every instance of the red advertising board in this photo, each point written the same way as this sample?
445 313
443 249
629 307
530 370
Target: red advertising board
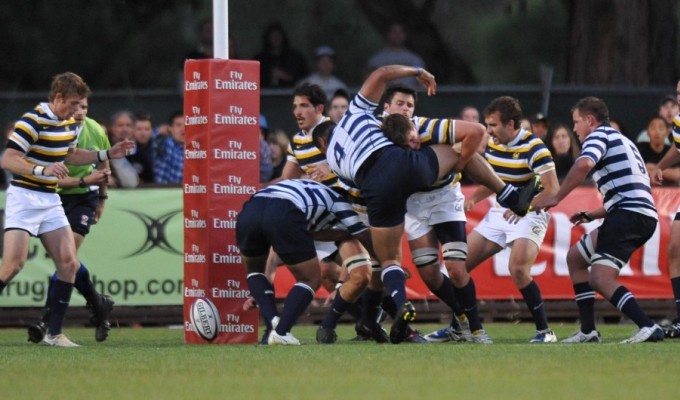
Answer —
646 275
221 171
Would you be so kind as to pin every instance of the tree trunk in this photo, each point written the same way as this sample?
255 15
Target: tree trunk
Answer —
622 42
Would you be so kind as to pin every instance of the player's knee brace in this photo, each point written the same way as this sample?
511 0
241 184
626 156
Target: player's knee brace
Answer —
454 251
359 260
424 257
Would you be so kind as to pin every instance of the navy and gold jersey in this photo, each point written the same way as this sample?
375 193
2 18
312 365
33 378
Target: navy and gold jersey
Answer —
303 152
619 173
44 139
521 159
676 132
437 131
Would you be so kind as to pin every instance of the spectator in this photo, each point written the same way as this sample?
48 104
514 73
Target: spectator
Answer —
539 125
325 66
338 105
278 143
618 126
280 64
668 109
525 124
169 151
564 146
395 52
653 151
470 114
142 155
123 173
204 48
266 168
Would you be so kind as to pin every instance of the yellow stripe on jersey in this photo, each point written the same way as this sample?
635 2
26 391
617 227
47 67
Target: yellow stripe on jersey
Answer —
519 162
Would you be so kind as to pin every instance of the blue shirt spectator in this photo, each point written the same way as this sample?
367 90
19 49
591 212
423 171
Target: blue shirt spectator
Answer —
169 152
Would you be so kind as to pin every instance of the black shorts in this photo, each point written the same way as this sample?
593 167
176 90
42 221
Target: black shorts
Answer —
80 209
266 222
622 232
392 178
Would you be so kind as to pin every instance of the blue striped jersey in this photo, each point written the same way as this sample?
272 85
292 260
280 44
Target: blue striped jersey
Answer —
356 137
619 172
676 131
323 207
44 139
518 161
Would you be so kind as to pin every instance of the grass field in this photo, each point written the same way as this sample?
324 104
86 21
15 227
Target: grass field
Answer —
153 363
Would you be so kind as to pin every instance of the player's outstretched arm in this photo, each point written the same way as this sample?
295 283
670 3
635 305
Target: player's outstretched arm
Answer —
374 86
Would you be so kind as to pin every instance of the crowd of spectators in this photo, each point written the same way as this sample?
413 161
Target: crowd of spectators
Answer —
158 156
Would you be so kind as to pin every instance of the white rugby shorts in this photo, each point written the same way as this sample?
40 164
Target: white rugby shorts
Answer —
33 211
426 209
496 229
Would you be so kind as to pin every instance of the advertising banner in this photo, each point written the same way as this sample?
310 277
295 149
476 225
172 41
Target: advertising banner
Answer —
222 109
646 275
133 254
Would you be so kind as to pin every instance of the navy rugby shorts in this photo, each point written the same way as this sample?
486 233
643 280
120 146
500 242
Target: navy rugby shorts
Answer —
79 210
393 177
265 222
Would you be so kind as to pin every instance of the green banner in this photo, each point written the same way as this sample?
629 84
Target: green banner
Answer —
135 253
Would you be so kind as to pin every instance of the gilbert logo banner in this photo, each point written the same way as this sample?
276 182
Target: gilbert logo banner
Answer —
221 171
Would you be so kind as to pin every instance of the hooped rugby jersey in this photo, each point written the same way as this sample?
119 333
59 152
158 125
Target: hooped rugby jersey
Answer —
322 206
356 137
619 173
44 139
518 161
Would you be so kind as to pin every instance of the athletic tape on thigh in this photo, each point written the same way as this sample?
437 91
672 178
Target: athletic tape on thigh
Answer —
360 260
425 256
607 261
455 251
585 247
375 266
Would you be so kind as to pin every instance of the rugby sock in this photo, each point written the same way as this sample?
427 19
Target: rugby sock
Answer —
623 300
467 296
387 306
585 300
84 285
532 296
446 293
338 307
2 286
370 303
675 284
61 295
295 304
508 196
394 279
354 309
263 293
